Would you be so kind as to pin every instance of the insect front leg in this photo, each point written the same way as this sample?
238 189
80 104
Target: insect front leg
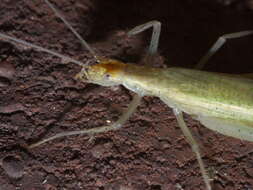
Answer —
115 126
155 34
193 144
179 115
218 44
152 50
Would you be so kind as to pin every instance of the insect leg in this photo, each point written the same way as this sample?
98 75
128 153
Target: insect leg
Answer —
218 44
155 34
193 144
118 124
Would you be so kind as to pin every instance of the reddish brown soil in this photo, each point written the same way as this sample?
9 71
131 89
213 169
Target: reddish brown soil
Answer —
39 97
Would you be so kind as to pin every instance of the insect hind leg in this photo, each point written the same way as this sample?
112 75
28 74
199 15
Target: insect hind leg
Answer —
218 44
155 34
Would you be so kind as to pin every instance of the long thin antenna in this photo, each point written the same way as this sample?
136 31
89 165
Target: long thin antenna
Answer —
83 42
68 59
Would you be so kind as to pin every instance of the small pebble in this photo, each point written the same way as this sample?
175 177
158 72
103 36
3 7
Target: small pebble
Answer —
13 167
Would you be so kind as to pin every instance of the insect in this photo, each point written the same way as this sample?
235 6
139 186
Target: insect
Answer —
214 99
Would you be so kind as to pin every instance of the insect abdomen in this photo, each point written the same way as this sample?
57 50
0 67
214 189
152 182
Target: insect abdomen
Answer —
196 92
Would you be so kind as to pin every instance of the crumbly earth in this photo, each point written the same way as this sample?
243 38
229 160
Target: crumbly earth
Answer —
39 97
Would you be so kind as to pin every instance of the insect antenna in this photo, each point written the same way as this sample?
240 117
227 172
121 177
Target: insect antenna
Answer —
82 41
65 58
25 43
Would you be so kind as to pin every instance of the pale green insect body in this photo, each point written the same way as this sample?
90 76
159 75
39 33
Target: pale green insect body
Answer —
221 102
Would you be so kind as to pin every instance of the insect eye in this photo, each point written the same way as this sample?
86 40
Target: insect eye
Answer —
107 76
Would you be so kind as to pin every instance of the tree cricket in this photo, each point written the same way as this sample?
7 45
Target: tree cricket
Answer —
214 99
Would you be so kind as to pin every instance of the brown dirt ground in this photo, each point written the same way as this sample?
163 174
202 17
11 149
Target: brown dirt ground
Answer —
39 97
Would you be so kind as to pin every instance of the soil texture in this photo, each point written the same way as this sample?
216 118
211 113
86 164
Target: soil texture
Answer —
39 97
